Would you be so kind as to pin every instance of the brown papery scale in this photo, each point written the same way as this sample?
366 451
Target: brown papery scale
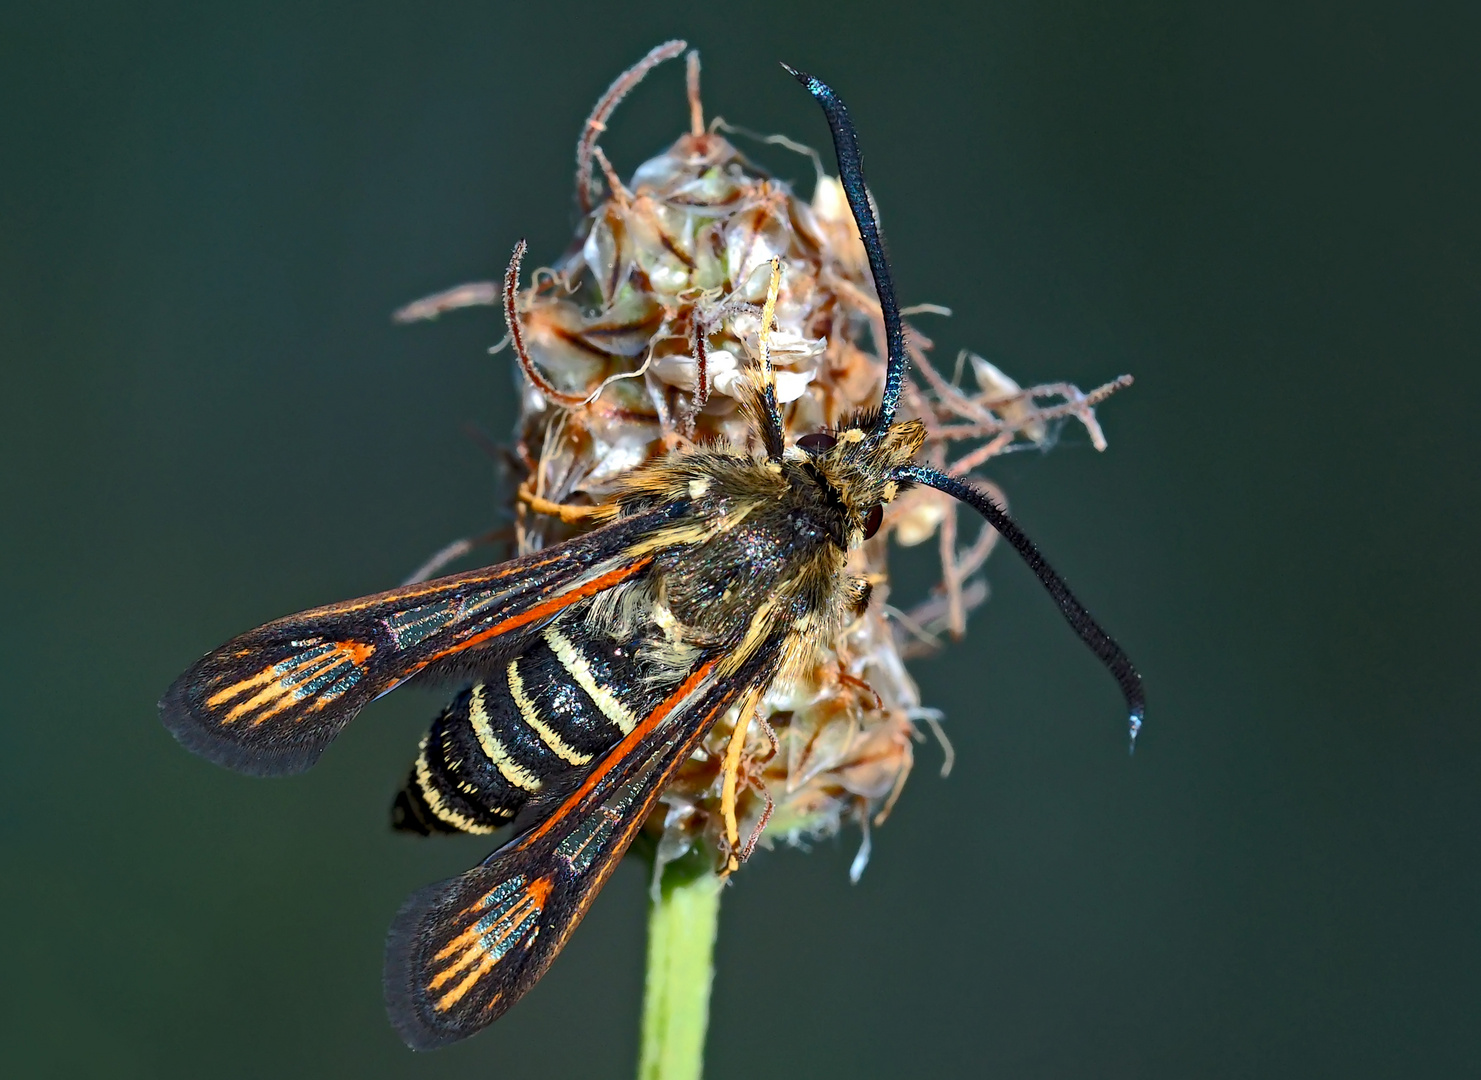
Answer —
641 337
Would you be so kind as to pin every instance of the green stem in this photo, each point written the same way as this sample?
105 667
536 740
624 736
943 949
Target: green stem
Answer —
676 999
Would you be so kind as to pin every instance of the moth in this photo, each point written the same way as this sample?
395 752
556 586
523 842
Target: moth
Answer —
591 670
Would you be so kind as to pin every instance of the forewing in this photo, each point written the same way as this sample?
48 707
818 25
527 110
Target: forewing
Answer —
269 702
461 952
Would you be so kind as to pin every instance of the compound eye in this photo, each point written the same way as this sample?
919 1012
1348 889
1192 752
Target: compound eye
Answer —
819 442
872 521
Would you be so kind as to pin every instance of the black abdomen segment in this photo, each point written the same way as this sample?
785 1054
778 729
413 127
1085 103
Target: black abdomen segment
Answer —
556 708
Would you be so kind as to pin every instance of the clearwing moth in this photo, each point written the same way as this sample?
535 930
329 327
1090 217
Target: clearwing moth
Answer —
593 668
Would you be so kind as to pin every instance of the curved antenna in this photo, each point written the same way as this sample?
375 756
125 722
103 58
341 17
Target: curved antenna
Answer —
1080 620
851 174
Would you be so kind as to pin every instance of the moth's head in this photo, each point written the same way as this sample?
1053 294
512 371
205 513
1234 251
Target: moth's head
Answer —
852 468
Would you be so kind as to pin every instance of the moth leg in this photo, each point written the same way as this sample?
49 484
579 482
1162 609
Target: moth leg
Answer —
568 514
731 781
770 733
758 786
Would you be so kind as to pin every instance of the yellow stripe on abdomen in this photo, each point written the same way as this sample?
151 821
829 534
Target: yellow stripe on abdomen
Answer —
432 796
531 715
577 667
497 753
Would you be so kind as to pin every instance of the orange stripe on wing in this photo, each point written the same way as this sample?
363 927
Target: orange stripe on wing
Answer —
279 692
437 586
221 697
453 996
644 728
540 611
534 895
477 944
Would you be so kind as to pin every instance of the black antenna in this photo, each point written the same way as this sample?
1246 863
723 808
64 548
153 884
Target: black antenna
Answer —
1080 620
851 173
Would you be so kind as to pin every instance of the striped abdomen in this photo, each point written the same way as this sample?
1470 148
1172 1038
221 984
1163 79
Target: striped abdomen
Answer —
557 707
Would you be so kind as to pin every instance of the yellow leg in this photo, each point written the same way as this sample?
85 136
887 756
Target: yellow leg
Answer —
730 785
569 514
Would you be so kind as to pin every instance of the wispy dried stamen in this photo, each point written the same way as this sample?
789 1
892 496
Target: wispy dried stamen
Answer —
720 124
473 294
983 453
951 576
517 337
696 107
596 123
614 182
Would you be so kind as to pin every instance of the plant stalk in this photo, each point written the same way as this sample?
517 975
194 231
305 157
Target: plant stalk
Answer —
676 998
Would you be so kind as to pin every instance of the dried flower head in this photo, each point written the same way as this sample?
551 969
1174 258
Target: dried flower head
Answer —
636 343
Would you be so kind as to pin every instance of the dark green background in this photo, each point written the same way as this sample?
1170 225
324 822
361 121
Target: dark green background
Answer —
1267 214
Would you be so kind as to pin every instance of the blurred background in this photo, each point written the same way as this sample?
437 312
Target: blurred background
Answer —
1266 213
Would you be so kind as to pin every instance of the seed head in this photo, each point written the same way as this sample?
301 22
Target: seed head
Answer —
639 340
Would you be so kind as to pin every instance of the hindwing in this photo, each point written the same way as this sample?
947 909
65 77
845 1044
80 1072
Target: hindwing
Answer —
461 952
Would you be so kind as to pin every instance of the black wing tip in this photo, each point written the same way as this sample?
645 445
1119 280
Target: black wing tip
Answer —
200 737
403 949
